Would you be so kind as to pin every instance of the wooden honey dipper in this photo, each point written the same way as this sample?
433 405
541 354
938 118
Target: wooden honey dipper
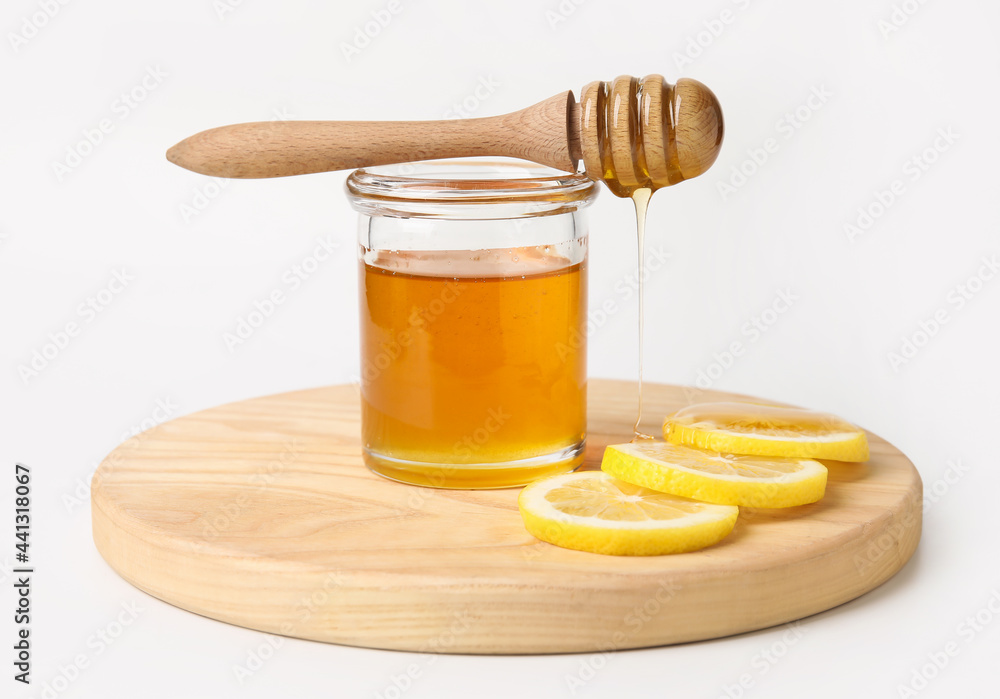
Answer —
631 133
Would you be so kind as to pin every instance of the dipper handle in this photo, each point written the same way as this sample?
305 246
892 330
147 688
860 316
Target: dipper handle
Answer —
279 148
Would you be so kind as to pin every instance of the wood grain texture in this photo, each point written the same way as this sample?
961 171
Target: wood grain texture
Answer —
260 513
648 133
698 128
281 148
624 148
630 134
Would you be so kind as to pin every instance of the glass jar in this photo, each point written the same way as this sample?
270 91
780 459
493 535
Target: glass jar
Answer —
473 295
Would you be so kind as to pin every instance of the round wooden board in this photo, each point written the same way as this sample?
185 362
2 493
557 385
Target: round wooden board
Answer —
261 513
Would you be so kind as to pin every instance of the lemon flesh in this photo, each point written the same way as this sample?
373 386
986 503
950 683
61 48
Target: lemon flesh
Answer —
747 428
724 479
591 511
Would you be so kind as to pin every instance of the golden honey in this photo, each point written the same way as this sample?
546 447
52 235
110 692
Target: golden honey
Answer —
473 369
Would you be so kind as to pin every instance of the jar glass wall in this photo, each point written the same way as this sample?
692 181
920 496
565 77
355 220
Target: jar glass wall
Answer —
473 296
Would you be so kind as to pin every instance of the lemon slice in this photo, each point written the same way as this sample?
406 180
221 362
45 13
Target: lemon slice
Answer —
591 511
746 428
754 481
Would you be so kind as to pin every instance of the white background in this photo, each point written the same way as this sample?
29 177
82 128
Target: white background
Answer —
160 341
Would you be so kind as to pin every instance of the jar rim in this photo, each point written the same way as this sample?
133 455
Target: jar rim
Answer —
441 188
